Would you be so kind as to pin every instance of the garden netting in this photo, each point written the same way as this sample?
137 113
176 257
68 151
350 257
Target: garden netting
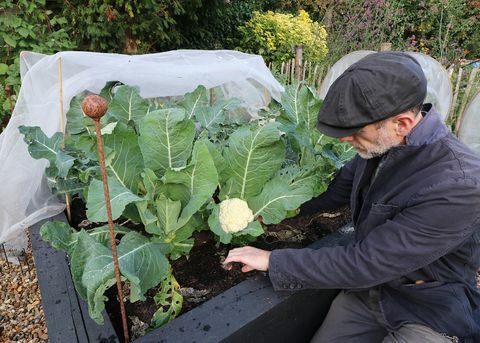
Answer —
25 197
439 89
469 132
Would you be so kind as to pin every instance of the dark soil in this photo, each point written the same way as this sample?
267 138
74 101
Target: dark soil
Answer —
200 274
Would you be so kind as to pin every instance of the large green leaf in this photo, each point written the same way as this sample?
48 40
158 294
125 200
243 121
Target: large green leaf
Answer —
41 146
300 105
150 183
166 139
211 117
76 120
127 105
217 157
279 196
200 179
127 163
168 212
291 103
58 234
194 101
63 237
253 157
119 198
141 262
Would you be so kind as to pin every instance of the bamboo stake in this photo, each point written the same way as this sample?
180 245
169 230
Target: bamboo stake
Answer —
287 71
6 257
266 97
62 129
455 94
320 78
95 107
314 75
471 79
450 71
281 68
292 70
212 96
309 70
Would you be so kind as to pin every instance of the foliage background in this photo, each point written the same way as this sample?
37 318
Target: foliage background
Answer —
448 30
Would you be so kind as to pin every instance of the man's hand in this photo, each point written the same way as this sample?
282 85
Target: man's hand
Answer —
252 258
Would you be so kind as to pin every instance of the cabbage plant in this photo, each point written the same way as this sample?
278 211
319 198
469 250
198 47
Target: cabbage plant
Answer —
171 165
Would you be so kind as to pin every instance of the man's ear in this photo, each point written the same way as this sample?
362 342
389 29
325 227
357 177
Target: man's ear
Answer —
404 123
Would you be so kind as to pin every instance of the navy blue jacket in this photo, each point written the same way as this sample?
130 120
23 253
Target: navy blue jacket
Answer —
418 220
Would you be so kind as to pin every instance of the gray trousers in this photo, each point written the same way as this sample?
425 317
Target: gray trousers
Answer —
356 318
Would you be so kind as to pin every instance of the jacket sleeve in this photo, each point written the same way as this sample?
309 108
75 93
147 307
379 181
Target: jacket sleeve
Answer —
337 194
437 220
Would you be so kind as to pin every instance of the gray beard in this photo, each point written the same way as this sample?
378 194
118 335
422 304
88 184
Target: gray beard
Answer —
381 145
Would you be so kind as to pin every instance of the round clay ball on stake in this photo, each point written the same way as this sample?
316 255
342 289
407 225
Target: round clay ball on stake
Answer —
94 106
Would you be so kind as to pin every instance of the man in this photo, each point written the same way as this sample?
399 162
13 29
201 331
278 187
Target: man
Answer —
414 193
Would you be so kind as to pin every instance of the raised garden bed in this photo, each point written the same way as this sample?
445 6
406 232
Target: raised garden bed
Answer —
251 310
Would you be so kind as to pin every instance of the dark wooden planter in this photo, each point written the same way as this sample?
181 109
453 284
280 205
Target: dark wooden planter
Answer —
248 312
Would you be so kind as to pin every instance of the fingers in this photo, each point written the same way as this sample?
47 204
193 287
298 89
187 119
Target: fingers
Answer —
252 258
247 269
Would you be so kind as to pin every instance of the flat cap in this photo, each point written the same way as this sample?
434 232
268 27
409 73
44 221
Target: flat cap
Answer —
379 86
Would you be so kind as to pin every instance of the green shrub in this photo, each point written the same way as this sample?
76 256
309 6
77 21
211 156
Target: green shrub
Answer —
26 26
273 35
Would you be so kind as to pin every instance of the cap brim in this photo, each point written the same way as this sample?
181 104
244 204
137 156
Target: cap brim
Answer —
336 132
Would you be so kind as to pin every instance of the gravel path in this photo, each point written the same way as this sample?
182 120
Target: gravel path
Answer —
21 313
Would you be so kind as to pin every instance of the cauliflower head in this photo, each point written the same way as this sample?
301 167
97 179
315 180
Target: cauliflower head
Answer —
234 215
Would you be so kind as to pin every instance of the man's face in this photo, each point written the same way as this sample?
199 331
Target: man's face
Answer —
374 139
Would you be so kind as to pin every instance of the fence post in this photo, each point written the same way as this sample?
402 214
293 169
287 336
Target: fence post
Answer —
471 80
298 61
455 93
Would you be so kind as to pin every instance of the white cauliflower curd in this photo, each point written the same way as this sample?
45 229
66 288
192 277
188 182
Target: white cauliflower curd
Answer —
234 215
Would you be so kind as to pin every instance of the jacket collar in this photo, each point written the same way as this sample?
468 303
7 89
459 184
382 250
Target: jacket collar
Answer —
429 129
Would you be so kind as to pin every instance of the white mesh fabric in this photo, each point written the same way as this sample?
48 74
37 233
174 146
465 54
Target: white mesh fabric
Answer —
24 196
469 132
339 67
439 89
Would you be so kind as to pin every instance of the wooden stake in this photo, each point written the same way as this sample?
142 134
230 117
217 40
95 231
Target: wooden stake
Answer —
212 96
62 129
455 93
292 70
314 75
298 61
471 79
309 66
266 97
95 107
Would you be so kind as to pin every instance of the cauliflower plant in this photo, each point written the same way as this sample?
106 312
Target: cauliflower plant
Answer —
234 215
